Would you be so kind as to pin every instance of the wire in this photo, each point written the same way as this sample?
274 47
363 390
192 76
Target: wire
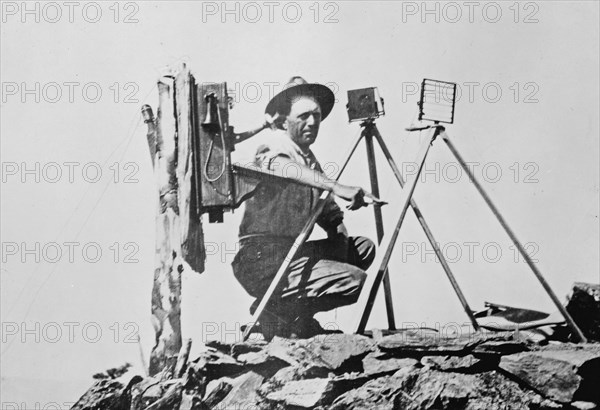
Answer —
127 138
85 194
210 151
69 218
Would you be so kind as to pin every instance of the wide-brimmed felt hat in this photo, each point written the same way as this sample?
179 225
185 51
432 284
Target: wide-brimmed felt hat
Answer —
298 86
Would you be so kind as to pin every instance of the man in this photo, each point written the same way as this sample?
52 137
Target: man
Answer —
326 273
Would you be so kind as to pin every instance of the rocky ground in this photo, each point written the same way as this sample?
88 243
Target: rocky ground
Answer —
416 369
411 369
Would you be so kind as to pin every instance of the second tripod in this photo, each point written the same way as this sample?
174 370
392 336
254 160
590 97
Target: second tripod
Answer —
369 133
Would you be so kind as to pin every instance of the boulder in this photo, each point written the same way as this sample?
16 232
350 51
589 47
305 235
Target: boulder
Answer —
191 402
499 347
584 405
378 393
319 355
378 364
562 375
262 363
426 389
104 394
339 351
147 391
308 393
237 348
417 342
584 307
215 364
462 364
243 393
246 347
434 390
217 390
171 399
285 375
302 393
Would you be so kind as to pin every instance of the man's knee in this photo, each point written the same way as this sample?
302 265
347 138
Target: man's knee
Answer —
357 278
364 251
345 291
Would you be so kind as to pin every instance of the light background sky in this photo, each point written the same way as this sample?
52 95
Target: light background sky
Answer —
553 140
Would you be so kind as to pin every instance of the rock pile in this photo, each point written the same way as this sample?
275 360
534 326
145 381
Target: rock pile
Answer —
407 370
584 307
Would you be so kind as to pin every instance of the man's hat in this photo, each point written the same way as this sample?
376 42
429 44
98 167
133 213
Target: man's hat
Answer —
298 86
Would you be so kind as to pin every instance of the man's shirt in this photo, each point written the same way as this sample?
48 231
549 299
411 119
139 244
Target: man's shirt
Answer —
281 210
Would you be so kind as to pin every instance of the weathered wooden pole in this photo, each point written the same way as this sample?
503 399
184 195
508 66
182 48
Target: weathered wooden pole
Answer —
179 233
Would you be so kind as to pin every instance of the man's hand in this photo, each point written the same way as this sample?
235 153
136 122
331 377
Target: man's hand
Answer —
354 194
274 121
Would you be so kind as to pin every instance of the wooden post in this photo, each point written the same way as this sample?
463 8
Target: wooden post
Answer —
179 233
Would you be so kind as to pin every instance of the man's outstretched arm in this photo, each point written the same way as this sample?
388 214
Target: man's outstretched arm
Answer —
285 167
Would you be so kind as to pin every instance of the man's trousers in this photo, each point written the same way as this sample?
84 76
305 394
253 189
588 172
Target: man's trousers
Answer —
324 275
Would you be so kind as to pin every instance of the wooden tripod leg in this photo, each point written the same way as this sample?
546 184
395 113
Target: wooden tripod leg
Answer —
286 263
369 291
302 237
516 242
387 287
428 233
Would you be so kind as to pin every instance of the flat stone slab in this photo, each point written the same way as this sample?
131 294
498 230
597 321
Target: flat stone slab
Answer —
307 393
302 393
217 390
452 363
105 393
419 342
427 389
375 364
499 347
378 393
558 374
337 349
244 392
216 364
327 352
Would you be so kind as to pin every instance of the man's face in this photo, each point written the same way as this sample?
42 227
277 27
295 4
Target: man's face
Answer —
303 121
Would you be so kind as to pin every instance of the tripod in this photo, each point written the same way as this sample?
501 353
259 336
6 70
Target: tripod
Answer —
370 132
369 292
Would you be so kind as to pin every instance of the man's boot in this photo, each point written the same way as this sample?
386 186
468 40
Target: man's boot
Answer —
306 327
272 322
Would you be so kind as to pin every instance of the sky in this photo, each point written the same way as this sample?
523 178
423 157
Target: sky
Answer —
78 194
